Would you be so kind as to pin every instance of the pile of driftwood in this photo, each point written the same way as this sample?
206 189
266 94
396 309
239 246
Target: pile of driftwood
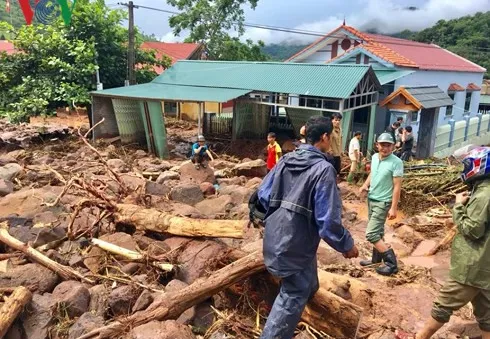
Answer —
429 185
327 314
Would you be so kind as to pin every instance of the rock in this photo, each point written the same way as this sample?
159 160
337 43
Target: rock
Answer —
72 297
216 206
169 329
44 160
240 212
140 154
166 176
38 318
118 165
232 181
253 183
99 299
184 210
133 182
86 323
143 301
204 317
465 329
189 173
40 278
36 235
7 159
94 256
207 189
154 188
153 165
122 300
254 168
131 268
196 259
45 218
76 260
239 194
6 187
189 194
154 248
221 164
10 171
56 256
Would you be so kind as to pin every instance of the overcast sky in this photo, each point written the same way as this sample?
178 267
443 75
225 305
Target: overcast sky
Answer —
387 16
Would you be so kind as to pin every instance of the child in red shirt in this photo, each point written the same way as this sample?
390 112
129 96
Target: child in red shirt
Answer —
274 151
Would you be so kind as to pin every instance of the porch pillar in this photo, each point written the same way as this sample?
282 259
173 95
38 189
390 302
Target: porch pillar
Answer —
372 122
346 128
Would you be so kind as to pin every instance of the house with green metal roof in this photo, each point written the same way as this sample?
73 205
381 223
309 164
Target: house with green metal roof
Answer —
256 90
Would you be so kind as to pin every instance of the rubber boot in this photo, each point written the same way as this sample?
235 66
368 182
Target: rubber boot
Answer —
390 267
376 259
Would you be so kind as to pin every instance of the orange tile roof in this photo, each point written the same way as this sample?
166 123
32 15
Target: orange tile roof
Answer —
6 46
454 87
404 53
175 50
473 87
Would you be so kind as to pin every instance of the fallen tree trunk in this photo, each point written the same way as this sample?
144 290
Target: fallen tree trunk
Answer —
445 241
131 255
326 312
158 221
64 272
176 303
14 304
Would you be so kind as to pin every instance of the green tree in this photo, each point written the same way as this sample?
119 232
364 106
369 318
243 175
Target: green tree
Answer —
468 36
210 22
56 64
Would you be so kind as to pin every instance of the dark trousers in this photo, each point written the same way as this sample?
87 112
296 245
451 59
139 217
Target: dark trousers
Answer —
295 292
337 164
198 159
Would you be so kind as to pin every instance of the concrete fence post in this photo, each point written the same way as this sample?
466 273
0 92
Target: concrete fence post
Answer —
451 122
479 116
467 119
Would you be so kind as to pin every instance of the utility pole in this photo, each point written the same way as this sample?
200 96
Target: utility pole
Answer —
131 53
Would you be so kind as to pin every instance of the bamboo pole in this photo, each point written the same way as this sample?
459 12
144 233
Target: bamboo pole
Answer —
64 272
131 255
158 221
14 304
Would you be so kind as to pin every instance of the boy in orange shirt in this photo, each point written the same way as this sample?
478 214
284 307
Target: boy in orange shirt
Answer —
274 151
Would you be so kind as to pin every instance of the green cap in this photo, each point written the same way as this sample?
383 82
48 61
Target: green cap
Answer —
386 137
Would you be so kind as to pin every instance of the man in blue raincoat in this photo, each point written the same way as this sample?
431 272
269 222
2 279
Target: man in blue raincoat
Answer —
303 206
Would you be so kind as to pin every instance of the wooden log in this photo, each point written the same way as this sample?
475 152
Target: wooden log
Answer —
14 304
64 272
158 221
176 303
444 242
131 255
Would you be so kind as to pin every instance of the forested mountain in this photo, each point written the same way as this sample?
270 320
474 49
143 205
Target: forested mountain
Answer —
280 52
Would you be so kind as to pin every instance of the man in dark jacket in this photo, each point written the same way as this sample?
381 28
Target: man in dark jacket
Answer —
303 206
393 129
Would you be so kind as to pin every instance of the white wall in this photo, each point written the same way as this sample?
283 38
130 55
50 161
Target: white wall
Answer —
443 80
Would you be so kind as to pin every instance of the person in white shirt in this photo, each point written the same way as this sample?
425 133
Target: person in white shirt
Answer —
354 155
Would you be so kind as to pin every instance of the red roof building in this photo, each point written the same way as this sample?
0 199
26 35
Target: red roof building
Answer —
399 52
6 46
175 50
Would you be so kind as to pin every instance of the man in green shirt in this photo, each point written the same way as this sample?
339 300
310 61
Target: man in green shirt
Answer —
383 186
469 275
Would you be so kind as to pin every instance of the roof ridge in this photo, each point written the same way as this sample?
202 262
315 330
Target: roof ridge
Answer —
278 63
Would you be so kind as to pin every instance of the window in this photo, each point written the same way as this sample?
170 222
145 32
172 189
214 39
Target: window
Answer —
467 103
449 109
414 116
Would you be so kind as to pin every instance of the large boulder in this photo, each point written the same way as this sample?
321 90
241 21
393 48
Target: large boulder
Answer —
154 188
6 187
189 173
253 183
254 168
10 171
197 259
39 235
213 207
99 299
167 176
169 329
34 276
207 189
175 286
122 300
86 323
189 194
143 301
220 164
72 297
118 165
239 194
37 319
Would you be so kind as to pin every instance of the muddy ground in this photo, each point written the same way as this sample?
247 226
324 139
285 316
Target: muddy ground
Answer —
37 160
